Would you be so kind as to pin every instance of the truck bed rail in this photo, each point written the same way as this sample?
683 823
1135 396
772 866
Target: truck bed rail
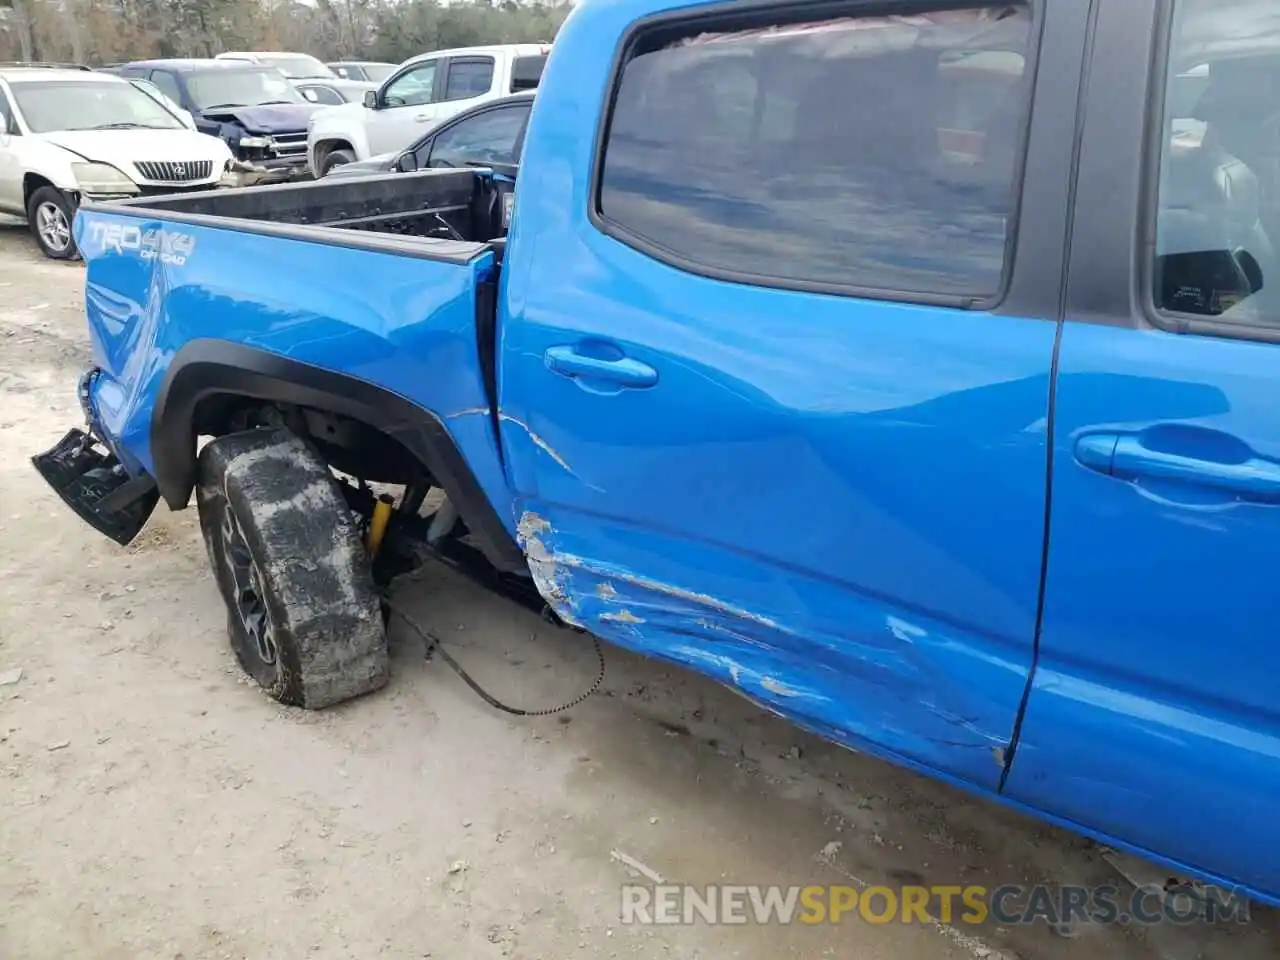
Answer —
433 203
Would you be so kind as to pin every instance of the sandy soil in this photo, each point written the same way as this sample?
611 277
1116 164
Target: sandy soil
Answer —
154 804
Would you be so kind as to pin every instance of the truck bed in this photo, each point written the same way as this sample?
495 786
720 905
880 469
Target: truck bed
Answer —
386 281
462 205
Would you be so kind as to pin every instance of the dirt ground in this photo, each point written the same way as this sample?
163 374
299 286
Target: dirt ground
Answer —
153 804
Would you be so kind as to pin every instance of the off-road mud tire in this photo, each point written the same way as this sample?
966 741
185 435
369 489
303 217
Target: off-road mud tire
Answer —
273 517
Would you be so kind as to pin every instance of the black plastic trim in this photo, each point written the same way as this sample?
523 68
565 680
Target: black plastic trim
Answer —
727 15
487 350
1038 280
96 486
1102 279
204 368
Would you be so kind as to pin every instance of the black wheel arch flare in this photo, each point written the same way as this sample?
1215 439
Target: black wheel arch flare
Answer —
203 368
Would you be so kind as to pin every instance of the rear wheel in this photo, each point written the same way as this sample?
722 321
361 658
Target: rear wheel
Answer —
336 158
49 214
303 614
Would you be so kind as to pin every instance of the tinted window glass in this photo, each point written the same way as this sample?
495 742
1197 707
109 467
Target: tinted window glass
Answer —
319 94
489 137
468 78
414 87
1218 194
526 72
875 152
168 86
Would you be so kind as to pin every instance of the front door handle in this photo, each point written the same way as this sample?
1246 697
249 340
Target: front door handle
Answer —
421 118
621 371
1126 457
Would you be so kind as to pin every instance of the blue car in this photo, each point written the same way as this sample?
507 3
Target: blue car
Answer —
911 369
253 107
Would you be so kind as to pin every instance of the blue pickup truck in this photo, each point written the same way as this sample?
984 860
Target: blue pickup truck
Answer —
910 367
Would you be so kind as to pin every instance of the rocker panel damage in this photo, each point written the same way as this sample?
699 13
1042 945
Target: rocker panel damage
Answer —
842 686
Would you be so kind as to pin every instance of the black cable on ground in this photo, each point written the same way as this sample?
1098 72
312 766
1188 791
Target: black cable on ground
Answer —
433 643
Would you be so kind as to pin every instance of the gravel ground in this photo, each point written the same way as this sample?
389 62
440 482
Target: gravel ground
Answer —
154 804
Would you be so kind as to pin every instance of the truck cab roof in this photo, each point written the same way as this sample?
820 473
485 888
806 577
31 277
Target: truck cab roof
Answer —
512 49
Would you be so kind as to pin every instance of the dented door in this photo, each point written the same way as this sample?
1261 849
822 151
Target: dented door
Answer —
728 451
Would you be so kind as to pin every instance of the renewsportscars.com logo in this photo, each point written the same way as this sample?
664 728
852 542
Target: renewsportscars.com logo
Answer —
149 243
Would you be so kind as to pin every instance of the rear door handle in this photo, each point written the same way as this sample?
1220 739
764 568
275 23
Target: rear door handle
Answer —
421 118
623 371
1125 457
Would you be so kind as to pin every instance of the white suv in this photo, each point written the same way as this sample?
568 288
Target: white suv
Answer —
68 133
422 93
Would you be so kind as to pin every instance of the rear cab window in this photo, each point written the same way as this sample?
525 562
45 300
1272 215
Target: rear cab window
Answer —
856 153
1215 173
468 78
526 72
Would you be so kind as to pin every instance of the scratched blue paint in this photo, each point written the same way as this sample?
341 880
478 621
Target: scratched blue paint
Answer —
868 478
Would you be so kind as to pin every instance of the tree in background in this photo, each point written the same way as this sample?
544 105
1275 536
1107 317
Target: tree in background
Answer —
111 31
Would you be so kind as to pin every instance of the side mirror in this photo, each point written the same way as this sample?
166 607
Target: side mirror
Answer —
407 162
371 99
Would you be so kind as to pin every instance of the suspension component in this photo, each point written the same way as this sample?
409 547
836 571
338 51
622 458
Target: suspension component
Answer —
382 508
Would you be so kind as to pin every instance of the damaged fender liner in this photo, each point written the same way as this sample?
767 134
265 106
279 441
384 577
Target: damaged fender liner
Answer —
204 368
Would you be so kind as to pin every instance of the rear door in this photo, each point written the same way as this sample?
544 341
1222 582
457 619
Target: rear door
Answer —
774 395
467 81
1154 715
405 108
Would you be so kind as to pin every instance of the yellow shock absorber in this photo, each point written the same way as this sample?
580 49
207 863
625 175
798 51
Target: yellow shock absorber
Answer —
378 525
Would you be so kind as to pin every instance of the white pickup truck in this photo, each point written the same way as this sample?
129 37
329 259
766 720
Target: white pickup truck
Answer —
422 93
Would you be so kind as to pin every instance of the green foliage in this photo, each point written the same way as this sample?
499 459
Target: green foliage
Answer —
416 26
391 30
